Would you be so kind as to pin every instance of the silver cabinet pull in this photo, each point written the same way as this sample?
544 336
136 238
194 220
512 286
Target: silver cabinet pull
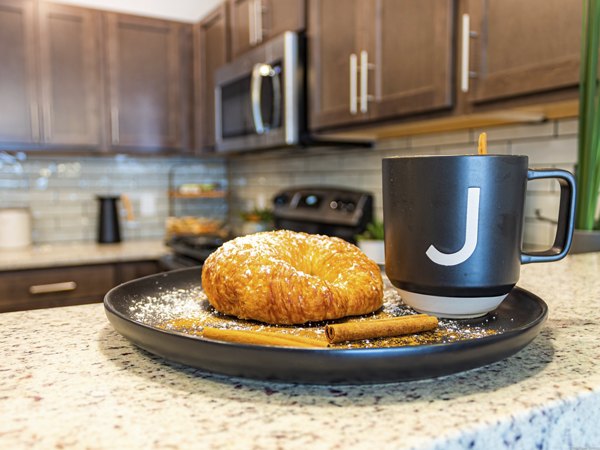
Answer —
364 81
465 49
114 124
258 21
251 28
65 286
353 83
35 121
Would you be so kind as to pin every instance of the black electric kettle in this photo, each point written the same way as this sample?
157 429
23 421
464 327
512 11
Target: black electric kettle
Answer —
109 227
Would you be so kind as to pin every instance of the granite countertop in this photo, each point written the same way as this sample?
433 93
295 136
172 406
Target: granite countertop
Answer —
53 255
68 380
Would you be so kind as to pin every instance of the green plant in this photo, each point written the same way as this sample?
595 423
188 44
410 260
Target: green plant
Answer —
374 232
588 168
258 215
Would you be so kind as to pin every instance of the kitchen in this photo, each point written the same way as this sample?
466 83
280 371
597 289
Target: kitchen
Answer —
56 167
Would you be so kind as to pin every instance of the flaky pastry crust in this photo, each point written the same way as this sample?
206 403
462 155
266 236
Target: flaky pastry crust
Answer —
285 277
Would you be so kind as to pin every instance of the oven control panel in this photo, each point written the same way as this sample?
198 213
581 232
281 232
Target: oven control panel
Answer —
326 205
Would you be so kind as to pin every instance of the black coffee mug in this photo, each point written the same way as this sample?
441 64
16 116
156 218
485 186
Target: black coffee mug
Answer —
454 225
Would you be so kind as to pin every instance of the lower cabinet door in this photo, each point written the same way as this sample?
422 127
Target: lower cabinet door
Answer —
44 288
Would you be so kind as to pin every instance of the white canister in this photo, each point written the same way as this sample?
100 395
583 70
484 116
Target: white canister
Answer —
15 228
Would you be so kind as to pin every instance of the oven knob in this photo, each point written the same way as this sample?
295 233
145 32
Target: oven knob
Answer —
350 206
281 200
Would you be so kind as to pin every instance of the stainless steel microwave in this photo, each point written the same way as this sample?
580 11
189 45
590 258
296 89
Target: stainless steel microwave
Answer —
259 97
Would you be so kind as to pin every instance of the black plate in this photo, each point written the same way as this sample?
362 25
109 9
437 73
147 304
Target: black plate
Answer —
518 319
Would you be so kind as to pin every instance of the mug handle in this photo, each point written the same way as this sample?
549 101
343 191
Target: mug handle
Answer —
566 216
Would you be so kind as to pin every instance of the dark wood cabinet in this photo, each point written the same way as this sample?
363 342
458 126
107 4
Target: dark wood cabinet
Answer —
147 92
254 21
333 39
280 16
44 288
19 110
410 46
211 50
65 286
243 25
70 77
372 60
520 48
127 271
77 78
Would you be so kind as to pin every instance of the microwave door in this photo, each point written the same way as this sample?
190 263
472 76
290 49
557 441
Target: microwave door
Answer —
256 98
266 98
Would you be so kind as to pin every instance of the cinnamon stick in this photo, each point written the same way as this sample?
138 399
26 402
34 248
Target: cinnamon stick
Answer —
371 329
482 144
261 338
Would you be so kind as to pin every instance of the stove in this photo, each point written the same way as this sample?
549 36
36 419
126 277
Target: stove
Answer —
190 250
333 211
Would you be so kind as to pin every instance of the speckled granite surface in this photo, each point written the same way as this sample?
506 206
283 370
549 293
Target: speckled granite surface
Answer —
68 380
41 256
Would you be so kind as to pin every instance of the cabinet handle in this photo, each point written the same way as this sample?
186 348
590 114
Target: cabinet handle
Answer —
464 70
364 81
353 83
258 21
35 121
52 288
251 20
114 124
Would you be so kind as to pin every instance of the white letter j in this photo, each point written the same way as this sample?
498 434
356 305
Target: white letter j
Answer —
453 259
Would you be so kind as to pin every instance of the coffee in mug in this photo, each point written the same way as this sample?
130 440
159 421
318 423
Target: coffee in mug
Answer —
454 225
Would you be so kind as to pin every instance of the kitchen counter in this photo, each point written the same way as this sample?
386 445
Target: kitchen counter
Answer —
68 380
53 255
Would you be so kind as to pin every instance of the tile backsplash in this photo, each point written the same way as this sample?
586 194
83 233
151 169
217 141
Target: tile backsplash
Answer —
61 191
254 179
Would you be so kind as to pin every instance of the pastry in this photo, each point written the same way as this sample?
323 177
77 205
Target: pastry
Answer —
285 277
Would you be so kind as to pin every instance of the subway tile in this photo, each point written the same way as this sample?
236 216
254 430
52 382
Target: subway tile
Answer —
547 151
546 204
542 185
393 144
321 163
439 139
371 180
360 162
568 127
538 235
327 178
410 152
517 132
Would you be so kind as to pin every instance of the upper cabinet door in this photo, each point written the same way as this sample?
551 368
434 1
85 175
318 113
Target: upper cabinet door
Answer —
255 21
70 75
19 115
280 16
335 37
144 58
211 50
410 57
244 29
522 47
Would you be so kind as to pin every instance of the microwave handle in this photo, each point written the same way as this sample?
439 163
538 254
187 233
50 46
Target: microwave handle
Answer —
276 98
258 72
255 94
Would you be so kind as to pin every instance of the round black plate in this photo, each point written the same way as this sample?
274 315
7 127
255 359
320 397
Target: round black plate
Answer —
518 319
